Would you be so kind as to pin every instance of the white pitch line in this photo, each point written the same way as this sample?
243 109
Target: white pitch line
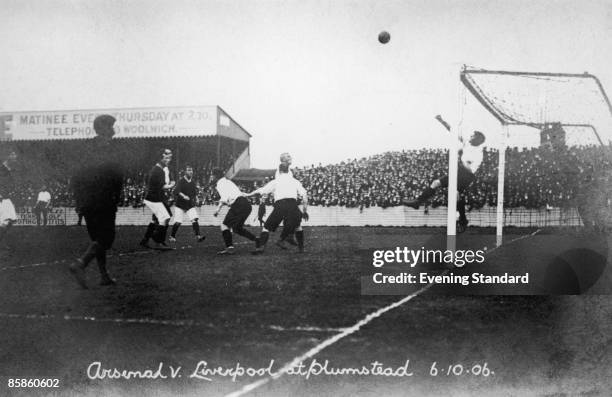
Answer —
60 261
326 343
34 265
305 329
151 321
346 331
143 252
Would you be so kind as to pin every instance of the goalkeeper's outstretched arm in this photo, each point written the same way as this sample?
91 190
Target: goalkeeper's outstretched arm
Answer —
448 127
443 122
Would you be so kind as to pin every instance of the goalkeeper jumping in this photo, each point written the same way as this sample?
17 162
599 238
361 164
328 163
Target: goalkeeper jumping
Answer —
470 158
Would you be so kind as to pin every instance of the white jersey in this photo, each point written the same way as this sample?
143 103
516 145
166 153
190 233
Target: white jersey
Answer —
284 186
44 197
472 156
228 191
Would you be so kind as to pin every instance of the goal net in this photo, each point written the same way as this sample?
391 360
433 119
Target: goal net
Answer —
577 101
565 173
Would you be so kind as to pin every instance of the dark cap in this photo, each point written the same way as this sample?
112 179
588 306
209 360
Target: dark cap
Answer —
103 124
480 137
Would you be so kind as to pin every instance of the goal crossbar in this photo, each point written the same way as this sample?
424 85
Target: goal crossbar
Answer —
470 77
534 99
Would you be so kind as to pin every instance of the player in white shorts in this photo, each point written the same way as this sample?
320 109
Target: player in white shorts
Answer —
159 183
185 200
285 161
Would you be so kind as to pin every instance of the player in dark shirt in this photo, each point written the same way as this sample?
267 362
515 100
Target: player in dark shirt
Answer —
97 188
8 215
155 199
185 200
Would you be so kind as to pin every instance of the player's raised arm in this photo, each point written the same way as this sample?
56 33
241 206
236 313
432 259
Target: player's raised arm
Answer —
443 122
266 189
447 126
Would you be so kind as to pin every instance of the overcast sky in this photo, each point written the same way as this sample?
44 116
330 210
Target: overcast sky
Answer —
307 77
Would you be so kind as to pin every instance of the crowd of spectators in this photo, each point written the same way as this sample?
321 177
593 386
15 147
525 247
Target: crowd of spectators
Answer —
534 178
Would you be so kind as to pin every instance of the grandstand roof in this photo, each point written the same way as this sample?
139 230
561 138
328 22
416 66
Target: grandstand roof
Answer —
253 174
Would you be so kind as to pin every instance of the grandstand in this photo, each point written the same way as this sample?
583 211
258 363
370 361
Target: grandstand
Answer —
52 143
540 188
537 192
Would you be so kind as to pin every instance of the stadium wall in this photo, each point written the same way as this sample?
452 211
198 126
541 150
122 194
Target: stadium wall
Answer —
342 216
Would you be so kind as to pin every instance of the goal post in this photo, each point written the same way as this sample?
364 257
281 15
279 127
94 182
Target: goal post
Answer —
575 104
501 173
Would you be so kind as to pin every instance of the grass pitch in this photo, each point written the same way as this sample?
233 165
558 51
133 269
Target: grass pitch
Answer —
187 306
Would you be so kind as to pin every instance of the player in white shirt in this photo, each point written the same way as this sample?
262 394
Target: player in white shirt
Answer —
285 158
287 190
42 205
470 159
240 209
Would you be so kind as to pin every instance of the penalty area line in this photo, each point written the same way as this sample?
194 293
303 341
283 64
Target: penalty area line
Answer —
121 254
152 321
65 261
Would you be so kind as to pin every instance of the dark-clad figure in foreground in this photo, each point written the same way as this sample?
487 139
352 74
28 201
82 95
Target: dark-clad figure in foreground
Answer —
8 216
97 188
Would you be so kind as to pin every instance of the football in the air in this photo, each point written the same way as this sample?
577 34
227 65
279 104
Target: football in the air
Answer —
384 37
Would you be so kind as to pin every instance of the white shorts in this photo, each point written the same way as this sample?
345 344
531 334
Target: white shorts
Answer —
179 214
7 212
159 210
